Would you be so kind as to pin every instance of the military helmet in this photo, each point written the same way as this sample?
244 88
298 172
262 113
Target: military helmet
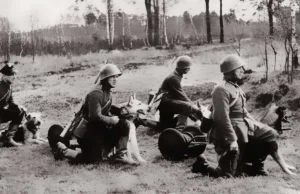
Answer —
109 70
184 62
231 62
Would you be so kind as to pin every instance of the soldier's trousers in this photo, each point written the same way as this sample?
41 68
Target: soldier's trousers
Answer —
168 108
13 114
98 141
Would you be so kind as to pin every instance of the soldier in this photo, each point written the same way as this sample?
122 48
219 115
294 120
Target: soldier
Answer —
99 130
234 127
175 101
9 110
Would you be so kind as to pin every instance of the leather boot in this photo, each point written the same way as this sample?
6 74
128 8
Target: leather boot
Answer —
258 169
66 152
121 151
228 163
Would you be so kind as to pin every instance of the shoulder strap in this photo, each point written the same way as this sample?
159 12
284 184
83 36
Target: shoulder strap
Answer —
236 99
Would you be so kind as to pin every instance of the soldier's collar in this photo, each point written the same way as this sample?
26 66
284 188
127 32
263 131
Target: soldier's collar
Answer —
236 85
178 74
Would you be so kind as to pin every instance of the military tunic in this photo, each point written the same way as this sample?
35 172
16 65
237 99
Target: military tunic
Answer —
9 110
175 101
232 122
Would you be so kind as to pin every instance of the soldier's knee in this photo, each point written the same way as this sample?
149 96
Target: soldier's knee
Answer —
123 127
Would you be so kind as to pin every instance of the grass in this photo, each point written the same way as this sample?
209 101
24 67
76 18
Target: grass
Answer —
32 168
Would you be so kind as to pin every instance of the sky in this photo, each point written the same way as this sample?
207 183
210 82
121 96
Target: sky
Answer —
49 11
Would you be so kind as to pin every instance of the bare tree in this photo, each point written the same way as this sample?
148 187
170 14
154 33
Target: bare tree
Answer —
33 20
165 37
221 23
156 22
110 23
23 40
208 28
149 29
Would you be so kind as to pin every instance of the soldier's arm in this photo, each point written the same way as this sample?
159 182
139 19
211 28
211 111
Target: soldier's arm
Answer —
221 117
177 88
95 114
11 102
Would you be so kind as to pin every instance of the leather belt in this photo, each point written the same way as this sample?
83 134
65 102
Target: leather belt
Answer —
236 115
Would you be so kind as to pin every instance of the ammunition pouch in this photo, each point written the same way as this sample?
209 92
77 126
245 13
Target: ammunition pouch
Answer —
81 128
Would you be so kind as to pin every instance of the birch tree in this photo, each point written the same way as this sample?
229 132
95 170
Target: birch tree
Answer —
110 23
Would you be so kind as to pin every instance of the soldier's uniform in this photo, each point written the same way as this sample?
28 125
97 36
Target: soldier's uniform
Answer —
233 123
100 132
9 110
175 101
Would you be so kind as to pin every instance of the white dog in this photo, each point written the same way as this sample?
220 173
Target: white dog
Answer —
130 111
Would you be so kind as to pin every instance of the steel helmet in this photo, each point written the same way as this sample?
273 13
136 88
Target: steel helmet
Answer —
231 62
109 70
184 62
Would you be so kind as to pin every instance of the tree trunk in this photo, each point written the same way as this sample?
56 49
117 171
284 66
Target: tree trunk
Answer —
221 23
110 24
156 22
270 15
123 30
266 58
194 30
32 46
129 31
166 42
8 45
294 44
149 22
208 30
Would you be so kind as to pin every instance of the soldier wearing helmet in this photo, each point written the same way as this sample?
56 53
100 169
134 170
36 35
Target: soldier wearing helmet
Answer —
234 127
98 130
176 101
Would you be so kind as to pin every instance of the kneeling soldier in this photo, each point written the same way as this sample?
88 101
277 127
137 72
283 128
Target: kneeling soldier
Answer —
9 110
98 130
176 101
236 133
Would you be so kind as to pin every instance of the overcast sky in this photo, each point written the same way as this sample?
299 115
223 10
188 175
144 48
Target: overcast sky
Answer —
49 11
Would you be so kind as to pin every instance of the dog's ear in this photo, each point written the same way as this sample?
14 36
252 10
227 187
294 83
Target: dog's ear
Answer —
130 102
28 117
134 96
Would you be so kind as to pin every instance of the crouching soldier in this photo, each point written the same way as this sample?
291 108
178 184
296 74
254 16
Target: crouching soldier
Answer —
175 100
9 110
236 133
98 130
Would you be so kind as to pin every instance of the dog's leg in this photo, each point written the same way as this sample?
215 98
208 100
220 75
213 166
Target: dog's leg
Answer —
34 141
42 140
290 167
134 144
129 149
276 155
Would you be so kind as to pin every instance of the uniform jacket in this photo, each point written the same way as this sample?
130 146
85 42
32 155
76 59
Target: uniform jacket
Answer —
226 128
97 106
172 85
6 99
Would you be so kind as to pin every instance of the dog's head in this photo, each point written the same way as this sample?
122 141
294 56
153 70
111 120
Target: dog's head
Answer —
275 116
133 107
33 122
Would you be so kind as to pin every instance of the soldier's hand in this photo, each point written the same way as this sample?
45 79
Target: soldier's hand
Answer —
234 146
23 108
115 119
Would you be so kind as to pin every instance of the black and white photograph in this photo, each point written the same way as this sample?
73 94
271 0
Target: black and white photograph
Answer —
149 96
